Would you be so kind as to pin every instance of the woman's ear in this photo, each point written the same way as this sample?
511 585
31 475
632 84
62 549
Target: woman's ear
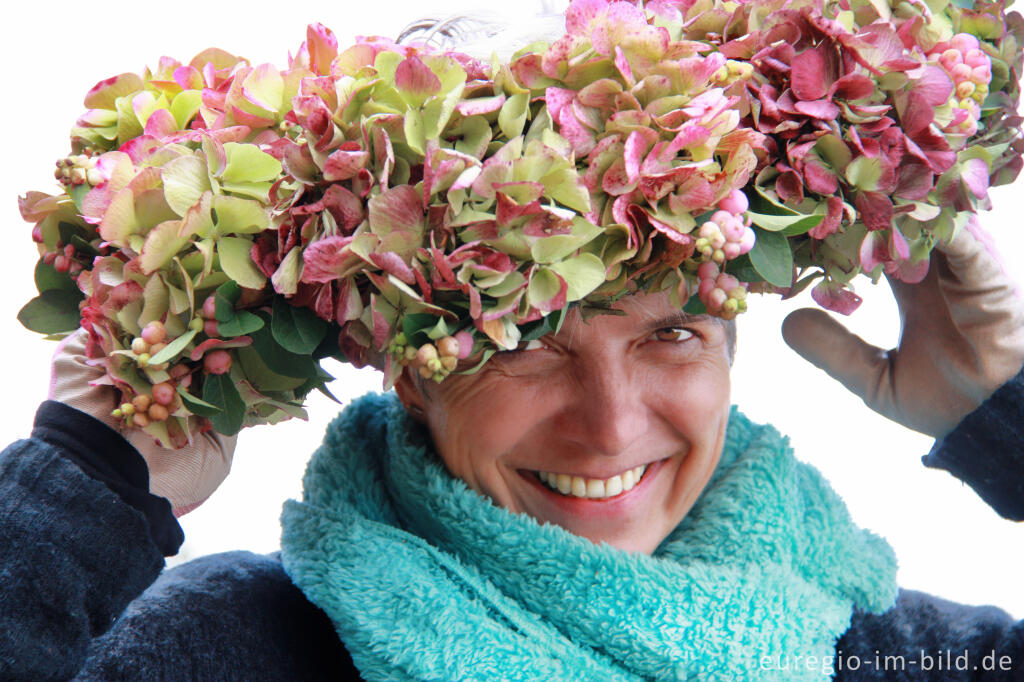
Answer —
410 392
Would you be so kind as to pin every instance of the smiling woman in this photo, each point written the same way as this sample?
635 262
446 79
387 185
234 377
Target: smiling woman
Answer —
585 504
647 389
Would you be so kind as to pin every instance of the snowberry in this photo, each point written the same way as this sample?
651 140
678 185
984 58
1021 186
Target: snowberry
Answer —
210 307
426 353
140 346
158 412
735 202
154 332
465 340
448 347
163 393
217 362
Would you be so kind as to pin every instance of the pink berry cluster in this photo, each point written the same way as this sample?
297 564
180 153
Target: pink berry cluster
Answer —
726 235
723 295
79 169
971 72
156 406
140 408
63 259
433 360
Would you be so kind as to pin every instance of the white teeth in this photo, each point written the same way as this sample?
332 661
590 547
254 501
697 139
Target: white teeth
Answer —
593 488
628 480
579 487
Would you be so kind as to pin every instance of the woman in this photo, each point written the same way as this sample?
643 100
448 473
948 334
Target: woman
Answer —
648 389
484 561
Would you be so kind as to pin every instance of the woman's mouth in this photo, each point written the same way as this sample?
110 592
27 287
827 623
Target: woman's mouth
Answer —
592 488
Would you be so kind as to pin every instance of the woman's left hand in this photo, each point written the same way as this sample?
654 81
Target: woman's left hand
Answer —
962 337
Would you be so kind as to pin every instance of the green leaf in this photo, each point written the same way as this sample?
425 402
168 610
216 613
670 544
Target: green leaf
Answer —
196 406
278 359
172 349
762 202
695 306
262 377
791 224
236 263
439 330
773 258
224 298
54 311
78 193
298 330
242 323
69 230
219 390
231 322
743 270
47 278
417 327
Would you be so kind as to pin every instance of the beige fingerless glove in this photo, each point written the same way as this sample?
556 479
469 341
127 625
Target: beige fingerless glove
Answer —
186 477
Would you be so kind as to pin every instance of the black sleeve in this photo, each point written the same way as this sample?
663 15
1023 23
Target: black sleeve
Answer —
923 637
80 538
986 450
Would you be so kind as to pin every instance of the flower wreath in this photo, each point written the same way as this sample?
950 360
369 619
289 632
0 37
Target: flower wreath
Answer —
223 227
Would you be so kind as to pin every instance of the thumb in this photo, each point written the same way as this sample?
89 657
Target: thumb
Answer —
847 358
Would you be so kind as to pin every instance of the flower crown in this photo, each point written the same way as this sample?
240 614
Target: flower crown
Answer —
223 227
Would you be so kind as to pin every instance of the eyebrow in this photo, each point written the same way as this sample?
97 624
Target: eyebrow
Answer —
676 319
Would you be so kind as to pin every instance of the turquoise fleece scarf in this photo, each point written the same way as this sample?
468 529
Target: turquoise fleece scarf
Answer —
425 579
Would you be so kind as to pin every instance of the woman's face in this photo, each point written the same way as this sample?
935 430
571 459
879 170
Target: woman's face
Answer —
583 410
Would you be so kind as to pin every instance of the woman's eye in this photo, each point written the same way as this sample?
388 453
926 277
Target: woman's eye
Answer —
673 334
534 344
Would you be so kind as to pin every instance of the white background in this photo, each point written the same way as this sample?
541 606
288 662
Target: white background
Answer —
949 543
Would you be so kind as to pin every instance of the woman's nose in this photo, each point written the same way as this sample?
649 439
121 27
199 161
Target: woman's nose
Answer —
608 414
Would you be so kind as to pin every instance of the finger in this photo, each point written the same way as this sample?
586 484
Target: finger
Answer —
862 368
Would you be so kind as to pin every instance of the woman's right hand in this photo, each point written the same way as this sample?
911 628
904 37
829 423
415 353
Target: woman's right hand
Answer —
187 476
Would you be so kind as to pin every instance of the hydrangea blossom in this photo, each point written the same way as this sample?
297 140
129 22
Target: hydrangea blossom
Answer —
222 226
